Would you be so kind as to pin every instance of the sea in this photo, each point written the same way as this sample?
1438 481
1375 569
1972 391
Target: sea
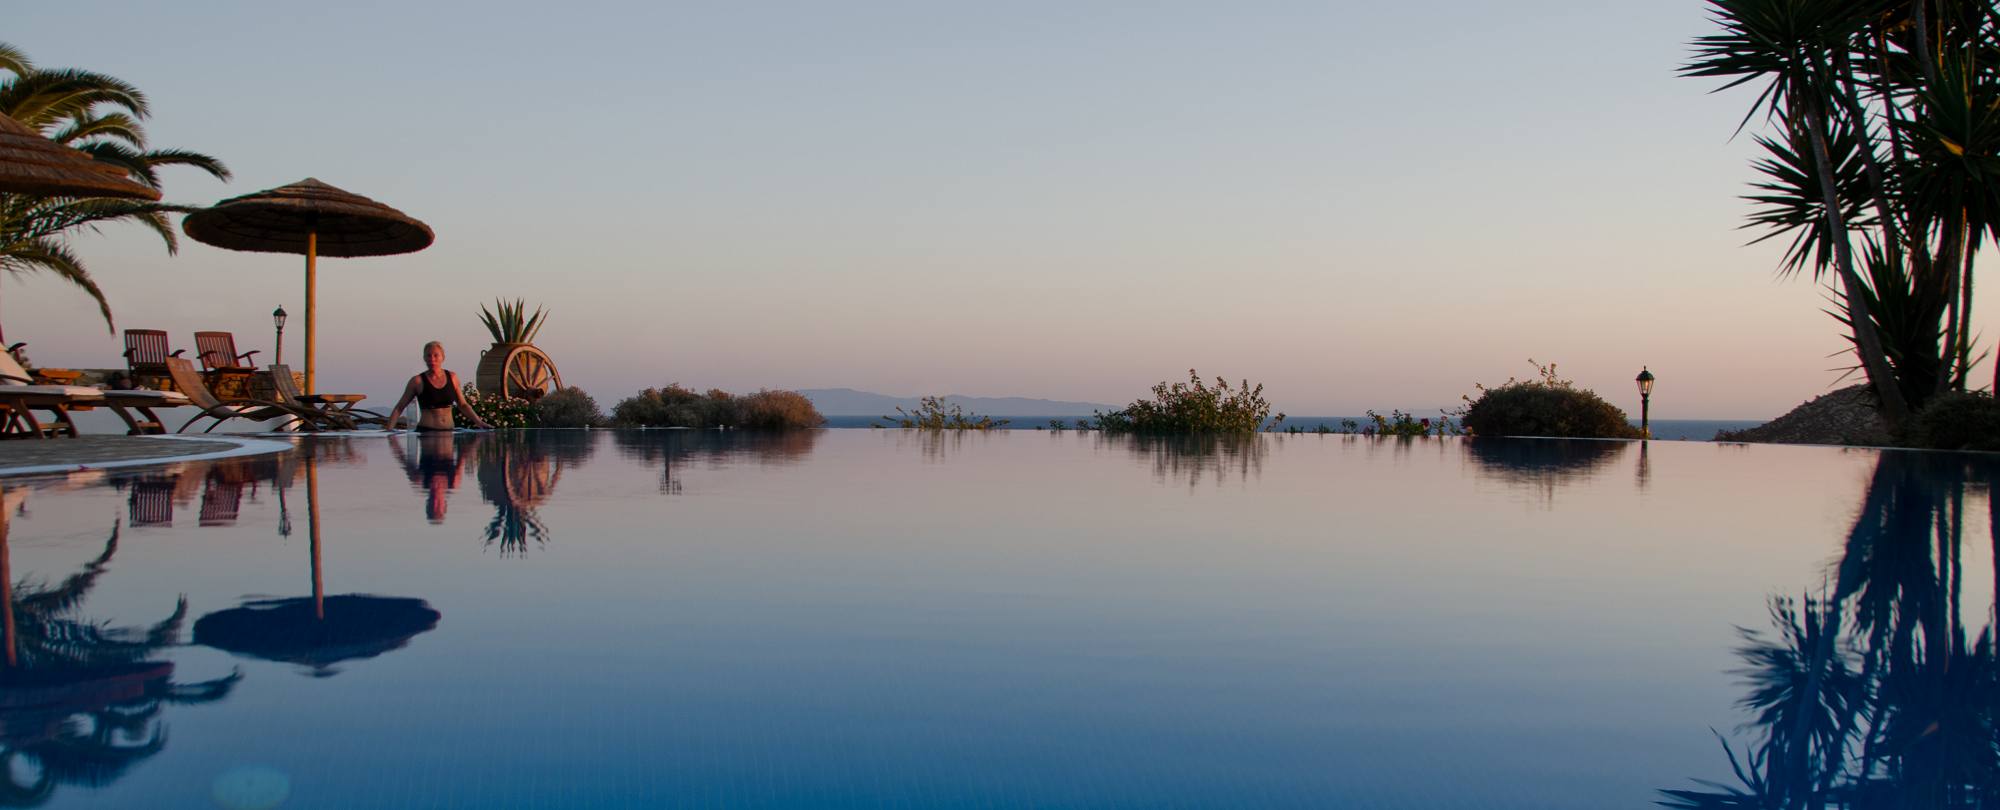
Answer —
1694 430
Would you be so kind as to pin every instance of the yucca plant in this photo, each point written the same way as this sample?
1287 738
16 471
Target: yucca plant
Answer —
511 323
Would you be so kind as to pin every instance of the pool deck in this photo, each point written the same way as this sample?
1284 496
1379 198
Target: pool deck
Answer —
40 457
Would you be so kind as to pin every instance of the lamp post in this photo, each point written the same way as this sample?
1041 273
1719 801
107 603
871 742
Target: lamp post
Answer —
1645 380
278 318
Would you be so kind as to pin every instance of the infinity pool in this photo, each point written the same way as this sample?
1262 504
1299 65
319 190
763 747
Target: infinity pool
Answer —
890 619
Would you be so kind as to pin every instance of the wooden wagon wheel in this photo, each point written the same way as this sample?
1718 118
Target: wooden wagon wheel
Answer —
519 371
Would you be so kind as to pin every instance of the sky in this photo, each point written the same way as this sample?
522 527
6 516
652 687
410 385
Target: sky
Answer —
1358 205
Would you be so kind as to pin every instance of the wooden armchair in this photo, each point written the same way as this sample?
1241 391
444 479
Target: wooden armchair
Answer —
146 352
217 351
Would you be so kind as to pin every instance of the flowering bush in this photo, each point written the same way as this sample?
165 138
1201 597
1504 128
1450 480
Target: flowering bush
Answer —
499 411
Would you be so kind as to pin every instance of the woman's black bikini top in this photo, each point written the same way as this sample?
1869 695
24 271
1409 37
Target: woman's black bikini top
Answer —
431 397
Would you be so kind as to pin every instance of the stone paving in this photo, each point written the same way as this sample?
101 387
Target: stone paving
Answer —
96 450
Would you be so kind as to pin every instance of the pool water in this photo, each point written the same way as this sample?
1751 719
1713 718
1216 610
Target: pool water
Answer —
884 618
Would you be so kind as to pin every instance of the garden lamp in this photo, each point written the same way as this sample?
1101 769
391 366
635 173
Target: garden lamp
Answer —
1645 380
278 318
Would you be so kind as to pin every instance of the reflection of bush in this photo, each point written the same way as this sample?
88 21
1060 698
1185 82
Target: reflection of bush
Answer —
1191 456
1543 463
671 448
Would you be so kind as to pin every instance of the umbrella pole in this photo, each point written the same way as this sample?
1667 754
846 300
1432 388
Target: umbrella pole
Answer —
312 251
7 589
312 521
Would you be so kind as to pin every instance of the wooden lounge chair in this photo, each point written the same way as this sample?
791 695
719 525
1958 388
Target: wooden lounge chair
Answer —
256 410
60 399
146 352
217 351
287 390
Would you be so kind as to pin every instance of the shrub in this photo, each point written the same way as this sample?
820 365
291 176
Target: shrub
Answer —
1956 421
1193 407
567 408
499 411
677 406
931 414
1398 423
776 410
1551 406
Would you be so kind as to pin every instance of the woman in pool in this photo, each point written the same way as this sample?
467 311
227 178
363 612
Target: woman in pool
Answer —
436 391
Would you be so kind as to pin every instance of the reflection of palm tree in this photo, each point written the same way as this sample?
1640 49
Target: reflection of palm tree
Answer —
79 702
1903 712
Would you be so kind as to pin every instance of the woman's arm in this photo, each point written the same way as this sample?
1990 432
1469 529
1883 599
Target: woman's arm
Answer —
396 413
458 395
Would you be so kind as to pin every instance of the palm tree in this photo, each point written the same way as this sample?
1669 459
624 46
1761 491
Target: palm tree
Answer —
99 115
1887 134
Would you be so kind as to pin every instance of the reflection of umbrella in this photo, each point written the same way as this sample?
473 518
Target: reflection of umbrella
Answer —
355 626
32 164
310 218
319 630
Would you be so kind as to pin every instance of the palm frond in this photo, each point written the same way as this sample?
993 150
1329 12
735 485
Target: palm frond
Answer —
49 255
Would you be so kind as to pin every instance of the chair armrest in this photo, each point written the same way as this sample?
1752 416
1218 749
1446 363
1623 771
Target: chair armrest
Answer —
246 355
176 352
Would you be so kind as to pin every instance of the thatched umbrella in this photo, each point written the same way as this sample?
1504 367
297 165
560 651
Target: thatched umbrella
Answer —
32 164
311 218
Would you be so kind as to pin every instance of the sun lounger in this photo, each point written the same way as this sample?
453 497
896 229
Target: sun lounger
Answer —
287 391
285 414
23 399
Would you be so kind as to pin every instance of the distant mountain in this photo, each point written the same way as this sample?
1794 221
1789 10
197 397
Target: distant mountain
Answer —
849 402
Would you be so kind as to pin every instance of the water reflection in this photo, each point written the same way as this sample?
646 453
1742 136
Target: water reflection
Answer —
80 701
1875 695
437 467
1546 465
674 449
317 631
1190 458
518 473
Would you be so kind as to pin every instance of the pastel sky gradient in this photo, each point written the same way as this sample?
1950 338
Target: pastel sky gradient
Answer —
1361 205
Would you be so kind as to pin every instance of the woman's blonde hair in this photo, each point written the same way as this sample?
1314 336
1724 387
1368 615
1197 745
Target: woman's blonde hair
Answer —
431 345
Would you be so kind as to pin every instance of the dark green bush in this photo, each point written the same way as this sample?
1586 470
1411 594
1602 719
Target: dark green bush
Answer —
567 408
1956 421
1551 406
1193 407
676 406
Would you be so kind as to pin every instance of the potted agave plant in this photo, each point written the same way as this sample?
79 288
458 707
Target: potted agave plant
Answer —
513 367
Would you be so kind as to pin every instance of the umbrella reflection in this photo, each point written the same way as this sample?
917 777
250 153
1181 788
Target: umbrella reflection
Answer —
80 701
1876 695
319 631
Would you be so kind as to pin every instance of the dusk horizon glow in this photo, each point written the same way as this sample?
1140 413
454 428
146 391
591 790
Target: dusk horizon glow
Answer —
1360 207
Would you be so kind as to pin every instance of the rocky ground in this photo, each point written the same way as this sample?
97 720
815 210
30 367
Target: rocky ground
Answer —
1846 416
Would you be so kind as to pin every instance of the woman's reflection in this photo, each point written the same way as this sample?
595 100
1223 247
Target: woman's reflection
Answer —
438 467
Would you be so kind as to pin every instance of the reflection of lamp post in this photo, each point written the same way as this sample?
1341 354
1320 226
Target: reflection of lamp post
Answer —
1645 380
278 318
